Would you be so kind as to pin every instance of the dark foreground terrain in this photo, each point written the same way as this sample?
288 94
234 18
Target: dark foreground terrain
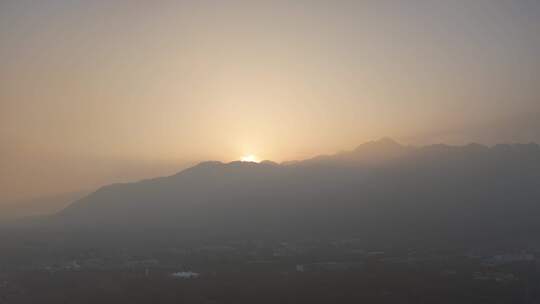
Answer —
378 285
265 271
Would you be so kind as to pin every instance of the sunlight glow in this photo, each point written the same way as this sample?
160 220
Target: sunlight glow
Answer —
249 158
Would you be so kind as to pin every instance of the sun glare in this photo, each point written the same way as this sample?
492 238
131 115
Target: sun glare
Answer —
249 158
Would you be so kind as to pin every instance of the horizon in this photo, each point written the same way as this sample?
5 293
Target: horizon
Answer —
76 193
35 206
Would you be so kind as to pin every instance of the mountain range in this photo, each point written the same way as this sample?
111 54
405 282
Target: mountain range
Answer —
381 191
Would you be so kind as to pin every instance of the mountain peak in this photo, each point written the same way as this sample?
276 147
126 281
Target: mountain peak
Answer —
202 166
383 143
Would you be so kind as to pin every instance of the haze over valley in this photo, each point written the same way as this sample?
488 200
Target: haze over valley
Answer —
269 151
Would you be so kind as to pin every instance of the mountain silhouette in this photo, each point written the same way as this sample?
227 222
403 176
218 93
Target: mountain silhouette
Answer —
380 191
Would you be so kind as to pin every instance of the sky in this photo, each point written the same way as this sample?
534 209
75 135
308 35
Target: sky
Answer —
95 92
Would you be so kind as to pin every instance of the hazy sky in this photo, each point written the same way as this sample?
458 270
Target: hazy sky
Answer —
93 92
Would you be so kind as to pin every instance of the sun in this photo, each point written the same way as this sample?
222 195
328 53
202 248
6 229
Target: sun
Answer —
249 158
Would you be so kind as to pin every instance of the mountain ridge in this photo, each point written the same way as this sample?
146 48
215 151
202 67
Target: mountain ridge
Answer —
378 188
